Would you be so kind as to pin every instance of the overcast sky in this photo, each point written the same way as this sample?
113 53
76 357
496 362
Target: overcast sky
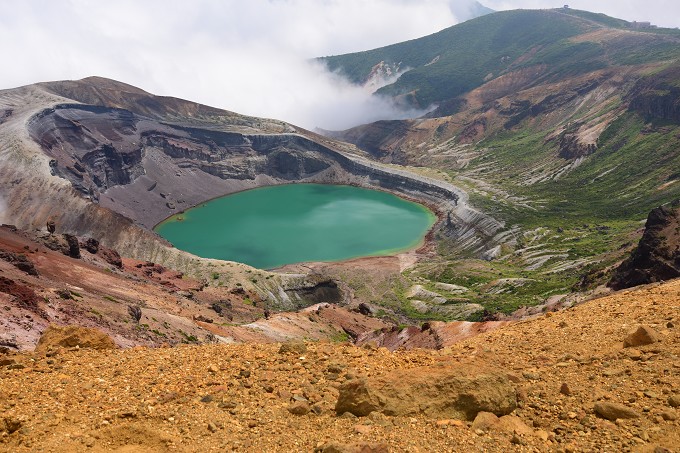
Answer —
248 56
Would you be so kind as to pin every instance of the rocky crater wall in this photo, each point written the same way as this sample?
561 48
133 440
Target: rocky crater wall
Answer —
147 170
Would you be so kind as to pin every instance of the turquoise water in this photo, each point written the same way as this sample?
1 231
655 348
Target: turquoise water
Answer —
272 226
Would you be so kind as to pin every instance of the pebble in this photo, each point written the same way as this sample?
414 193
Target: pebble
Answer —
565 390
669 415
674 401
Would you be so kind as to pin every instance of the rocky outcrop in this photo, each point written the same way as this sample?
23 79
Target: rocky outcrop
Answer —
457 392
657 96
431 335
571 147
109 255
73 245
73 336
380 139
123 160
657 256
19 261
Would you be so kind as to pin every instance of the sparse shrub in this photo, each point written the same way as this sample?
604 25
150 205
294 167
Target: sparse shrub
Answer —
135 311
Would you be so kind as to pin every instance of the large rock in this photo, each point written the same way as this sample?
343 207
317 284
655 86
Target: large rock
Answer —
73 245
657 256
90 244
56 243
72 336
613 411
19 261
110 256
453 392
642 336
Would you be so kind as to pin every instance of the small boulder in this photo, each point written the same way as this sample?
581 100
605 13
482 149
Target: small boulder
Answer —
293 347
91 245
484 421
613 411
674 401
204 319
19 261
669 415
299 408
488 422
10 425
73 245
459 392
365 309
56 243
72 336
642 336
135 311
110 256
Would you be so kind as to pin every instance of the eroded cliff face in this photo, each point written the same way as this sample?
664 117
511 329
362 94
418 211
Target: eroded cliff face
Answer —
658 96
146 169
657 256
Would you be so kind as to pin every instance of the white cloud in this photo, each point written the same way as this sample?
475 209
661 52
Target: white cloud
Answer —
251 56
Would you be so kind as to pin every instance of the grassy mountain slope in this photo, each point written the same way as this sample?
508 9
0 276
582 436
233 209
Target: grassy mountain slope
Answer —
458 59
570 141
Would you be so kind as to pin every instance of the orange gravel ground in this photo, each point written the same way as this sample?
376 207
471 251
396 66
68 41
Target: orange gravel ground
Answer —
236 397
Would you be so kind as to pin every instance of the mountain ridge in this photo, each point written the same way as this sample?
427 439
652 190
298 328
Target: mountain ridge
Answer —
472 50
550 145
